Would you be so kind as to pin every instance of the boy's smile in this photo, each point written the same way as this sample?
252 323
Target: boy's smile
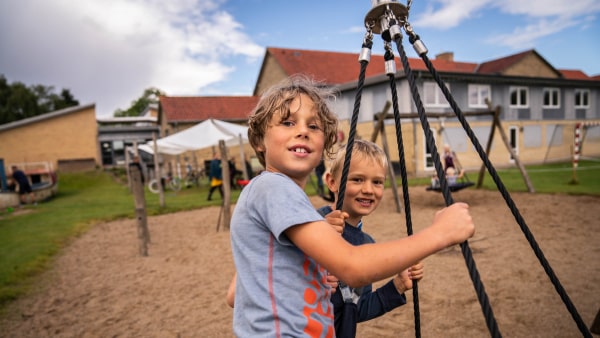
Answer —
293 145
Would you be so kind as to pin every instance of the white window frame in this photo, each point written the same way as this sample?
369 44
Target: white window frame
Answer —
433 96
553 95
480 93
427 155
519 91
584 96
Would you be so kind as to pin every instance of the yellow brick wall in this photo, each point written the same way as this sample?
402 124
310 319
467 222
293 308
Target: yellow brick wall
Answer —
70 136
530 66
272 75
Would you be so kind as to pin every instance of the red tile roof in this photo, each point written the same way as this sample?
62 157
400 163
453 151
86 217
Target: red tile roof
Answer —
497 66
333 68
574 74
329 67
200 108
337 68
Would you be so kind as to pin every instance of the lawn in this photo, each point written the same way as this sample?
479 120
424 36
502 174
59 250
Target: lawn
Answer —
31 237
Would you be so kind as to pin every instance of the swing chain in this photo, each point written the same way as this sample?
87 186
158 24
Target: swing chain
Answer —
369 33
415 40
365 52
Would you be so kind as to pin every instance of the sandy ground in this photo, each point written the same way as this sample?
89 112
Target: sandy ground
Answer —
101 287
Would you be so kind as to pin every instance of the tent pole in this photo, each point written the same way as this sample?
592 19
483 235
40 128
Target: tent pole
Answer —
243 157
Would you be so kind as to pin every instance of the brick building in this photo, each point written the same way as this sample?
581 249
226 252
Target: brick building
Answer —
67 139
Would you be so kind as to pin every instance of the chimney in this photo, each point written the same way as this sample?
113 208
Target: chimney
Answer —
446 56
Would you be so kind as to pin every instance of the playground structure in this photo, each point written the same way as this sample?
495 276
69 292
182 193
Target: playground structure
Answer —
389 18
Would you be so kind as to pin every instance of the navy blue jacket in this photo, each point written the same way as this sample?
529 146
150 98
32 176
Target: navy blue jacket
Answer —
371 304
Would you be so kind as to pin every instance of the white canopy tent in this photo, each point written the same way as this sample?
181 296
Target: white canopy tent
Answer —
203 135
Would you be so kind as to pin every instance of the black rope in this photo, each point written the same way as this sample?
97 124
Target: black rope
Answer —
511 205
470 262
353 122
389 56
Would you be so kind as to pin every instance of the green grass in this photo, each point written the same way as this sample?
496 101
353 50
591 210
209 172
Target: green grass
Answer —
29 240
31 236
549 178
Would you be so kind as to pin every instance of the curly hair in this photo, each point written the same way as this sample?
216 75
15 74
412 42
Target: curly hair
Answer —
278 98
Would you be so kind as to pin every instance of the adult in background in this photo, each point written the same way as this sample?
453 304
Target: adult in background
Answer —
233 173
24 187
215 175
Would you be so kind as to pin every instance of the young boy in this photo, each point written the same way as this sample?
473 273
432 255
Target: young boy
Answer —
282 247
364 191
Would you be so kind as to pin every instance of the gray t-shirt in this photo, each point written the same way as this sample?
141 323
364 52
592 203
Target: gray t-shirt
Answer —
280 291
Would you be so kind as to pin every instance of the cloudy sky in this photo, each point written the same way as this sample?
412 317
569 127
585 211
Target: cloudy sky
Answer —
108 51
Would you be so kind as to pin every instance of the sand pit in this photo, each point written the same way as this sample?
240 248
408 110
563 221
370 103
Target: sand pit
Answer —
100 287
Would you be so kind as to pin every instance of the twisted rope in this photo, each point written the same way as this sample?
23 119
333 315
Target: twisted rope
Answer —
466 251
352 133
509 201
389 56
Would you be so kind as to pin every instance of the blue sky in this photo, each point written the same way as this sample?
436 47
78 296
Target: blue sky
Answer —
108 51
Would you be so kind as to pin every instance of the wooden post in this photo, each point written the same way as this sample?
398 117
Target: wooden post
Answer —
140 208
513 154
488 147
226 206
127 170
157 173
243 158
381 130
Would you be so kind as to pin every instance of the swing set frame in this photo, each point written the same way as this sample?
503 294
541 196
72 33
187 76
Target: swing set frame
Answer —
496 124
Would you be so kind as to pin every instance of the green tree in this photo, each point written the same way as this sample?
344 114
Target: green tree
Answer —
18 101
150 95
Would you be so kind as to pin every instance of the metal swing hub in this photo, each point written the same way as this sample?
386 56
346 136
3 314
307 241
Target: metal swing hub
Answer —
382 14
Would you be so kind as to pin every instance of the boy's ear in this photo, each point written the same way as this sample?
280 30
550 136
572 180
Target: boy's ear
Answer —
330 181
260 147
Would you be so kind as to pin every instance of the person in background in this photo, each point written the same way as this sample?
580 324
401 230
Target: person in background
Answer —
25 189
448 157
233 173
215 176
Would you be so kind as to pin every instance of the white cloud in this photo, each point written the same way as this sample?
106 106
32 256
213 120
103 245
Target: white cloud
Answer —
525 37
545 17
449 13
109 51
527 20
549 8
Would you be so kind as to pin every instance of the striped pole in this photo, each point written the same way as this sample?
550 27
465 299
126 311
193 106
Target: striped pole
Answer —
576 151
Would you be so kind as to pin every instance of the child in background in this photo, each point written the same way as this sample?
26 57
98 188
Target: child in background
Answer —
364 191
283 248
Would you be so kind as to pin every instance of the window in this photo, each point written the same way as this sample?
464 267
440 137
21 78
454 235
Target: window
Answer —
582 98
519 97
433 96
551 98
478 94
